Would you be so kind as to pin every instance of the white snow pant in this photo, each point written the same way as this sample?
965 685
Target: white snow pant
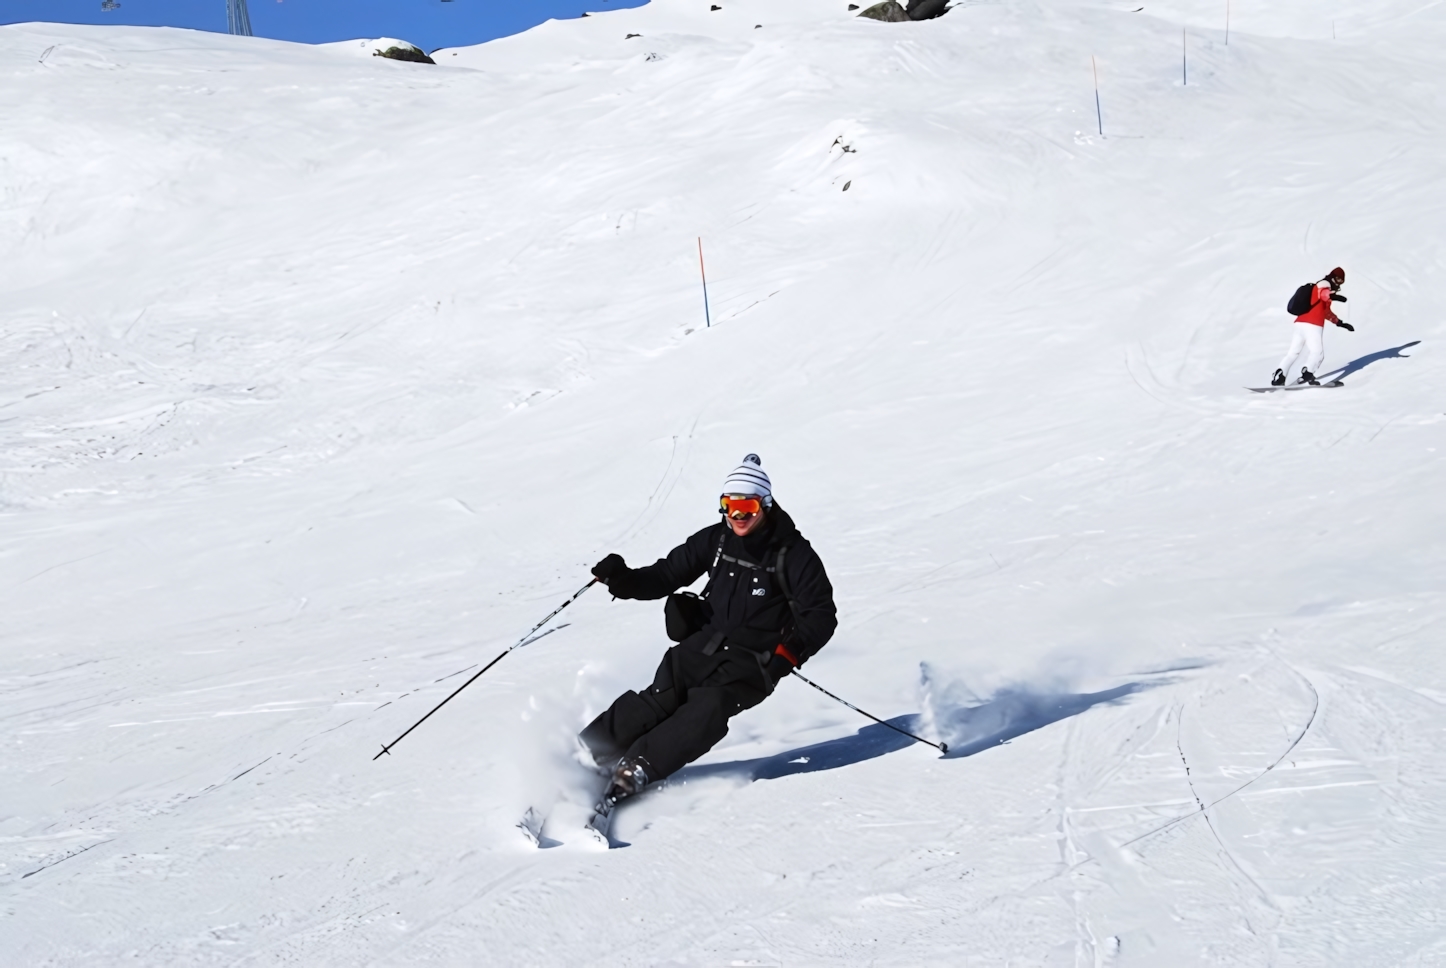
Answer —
1308 337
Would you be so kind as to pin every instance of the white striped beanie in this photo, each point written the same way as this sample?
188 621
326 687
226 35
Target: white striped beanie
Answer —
749 477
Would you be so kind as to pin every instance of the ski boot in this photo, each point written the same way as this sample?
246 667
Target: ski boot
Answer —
629 778
1306 376
1278 380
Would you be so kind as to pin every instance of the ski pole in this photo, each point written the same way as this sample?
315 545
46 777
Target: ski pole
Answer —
519 644
941 747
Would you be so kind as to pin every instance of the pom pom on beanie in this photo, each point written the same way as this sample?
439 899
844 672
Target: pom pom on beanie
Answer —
749 477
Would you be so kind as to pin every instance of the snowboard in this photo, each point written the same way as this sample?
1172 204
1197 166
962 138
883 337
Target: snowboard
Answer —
1297 386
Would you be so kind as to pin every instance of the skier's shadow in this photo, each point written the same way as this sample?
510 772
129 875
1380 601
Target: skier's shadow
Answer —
1356 365
967 730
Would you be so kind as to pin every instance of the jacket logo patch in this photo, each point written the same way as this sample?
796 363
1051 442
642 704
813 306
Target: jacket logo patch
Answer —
760 591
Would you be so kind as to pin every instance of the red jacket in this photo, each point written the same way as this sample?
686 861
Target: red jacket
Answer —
1320 306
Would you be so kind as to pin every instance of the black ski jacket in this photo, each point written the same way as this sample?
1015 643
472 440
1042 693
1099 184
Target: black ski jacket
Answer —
747 603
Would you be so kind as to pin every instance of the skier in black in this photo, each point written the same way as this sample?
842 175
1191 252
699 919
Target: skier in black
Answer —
768 606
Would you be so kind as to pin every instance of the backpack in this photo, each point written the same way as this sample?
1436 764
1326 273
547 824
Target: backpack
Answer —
1299 303
685 613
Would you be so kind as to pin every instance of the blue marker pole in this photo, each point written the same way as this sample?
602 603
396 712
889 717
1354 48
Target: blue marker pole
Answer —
1098 115
708 319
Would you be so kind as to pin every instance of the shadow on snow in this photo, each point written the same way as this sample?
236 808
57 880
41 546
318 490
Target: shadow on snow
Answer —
967 730
1356 365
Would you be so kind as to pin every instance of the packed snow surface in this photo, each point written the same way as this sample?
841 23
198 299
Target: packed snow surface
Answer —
325 377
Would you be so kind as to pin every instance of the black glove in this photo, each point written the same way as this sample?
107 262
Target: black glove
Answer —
778 667
609 568
1346 326
1337 297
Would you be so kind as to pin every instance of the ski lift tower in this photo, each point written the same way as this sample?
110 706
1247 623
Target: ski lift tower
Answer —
238 21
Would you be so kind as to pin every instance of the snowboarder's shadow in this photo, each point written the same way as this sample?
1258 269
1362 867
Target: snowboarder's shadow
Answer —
1356 365
967 730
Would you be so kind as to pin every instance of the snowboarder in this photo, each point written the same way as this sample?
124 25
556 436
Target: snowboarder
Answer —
1310 328
768 606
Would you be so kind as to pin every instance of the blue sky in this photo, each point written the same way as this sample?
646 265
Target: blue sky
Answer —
427 23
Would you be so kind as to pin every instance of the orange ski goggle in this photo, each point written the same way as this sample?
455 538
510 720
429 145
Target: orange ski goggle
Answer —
739 508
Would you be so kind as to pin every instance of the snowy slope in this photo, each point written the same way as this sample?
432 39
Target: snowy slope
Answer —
325 377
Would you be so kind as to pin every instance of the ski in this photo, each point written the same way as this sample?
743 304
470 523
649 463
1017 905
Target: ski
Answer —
568 826
531 826
1298 386
602 821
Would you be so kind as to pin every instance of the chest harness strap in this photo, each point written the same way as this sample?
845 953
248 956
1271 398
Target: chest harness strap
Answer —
717 638
720 556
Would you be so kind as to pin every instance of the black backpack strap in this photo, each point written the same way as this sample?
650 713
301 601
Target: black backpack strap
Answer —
783 583
717 555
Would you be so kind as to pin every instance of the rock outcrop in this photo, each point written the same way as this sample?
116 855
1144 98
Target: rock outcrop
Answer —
926 9
399 50
889 11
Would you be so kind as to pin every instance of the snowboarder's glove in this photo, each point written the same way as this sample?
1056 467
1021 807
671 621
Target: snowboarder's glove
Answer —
609 568
1337 297
1346 326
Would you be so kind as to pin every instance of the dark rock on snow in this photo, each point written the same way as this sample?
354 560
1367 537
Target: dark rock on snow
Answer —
408 53
926 9
890 11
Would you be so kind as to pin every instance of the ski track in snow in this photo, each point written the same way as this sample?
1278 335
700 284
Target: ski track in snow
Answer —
324 377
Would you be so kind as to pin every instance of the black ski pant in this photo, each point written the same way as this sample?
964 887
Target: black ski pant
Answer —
684 713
